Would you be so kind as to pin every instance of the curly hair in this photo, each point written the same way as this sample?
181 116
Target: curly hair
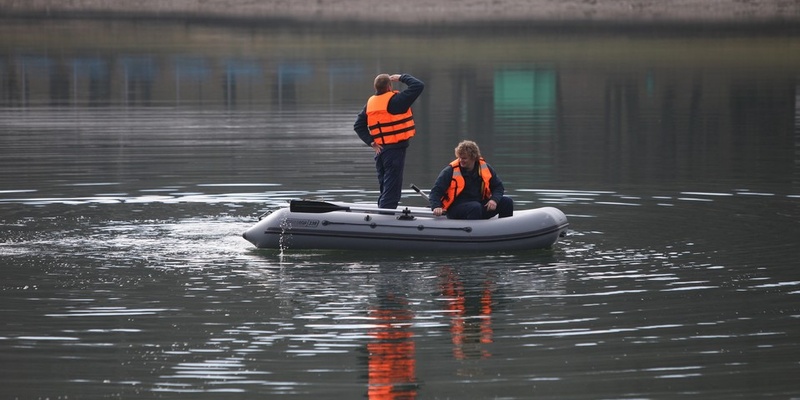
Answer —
469 149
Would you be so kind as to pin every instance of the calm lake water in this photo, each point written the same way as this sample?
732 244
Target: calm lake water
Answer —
135 154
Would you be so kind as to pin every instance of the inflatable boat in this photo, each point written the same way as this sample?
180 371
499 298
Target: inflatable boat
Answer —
307 224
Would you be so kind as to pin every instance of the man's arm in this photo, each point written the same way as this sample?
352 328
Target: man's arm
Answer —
439 188
496 186
402 101
361 127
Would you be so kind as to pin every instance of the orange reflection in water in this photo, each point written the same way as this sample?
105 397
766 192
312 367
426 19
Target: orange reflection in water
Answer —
392 368
470 323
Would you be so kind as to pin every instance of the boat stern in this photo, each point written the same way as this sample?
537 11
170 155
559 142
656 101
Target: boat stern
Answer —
559 220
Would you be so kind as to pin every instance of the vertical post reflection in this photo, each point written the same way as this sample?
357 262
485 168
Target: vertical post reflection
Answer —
246 73
391 363
140 75
796 180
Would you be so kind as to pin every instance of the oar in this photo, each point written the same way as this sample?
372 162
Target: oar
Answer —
421 193
319 207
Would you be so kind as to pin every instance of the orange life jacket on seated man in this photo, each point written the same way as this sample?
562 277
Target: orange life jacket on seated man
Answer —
457 183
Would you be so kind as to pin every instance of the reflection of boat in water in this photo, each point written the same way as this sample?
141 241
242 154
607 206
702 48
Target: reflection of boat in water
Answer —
346 226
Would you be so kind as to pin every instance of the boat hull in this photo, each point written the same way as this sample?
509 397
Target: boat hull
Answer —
416 230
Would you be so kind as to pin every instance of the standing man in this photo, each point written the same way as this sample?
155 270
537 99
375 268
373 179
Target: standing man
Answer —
386 124
469 188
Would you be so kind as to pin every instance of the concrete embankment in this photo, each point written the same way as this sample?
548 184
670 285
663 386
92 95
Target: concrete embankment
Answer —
781 12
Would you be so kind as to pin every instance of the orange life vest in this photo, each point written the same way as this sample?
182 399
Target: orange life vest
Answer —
387 128
457 183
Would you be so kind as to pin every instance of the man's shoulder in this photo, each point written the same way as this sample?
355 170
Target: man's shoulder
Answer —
448 169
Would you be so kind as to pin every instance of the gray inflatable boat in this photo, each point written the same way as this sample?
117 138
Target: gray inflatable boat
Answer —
309 224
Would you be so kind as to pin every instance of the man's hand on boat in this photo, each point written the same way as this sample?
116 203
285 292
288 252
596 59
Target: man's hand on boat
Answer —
438 211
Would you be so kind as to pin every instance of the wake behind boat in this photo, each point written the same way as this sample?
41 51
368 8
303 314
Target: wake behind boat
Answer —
307 224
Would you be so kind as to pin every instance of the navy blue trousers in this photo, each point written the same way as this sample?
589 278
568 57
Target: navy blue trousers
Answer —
390 165
477 210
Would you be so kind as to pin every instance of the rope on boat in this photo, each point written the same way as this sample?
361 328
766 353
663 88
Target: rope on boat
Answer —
418 227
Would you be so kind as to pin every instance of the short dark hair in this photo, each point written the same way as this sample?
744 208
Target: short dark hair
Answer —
382 84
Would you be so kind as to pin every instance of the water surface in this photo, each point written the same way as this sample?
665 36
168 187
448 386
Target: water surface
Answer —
135 154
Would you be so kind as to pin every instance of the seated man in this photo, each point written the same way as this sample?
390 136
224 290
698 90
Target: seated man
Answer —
468 188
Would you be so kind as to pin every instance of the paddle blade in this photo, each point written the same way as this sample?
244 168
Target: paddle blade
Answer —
310 206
